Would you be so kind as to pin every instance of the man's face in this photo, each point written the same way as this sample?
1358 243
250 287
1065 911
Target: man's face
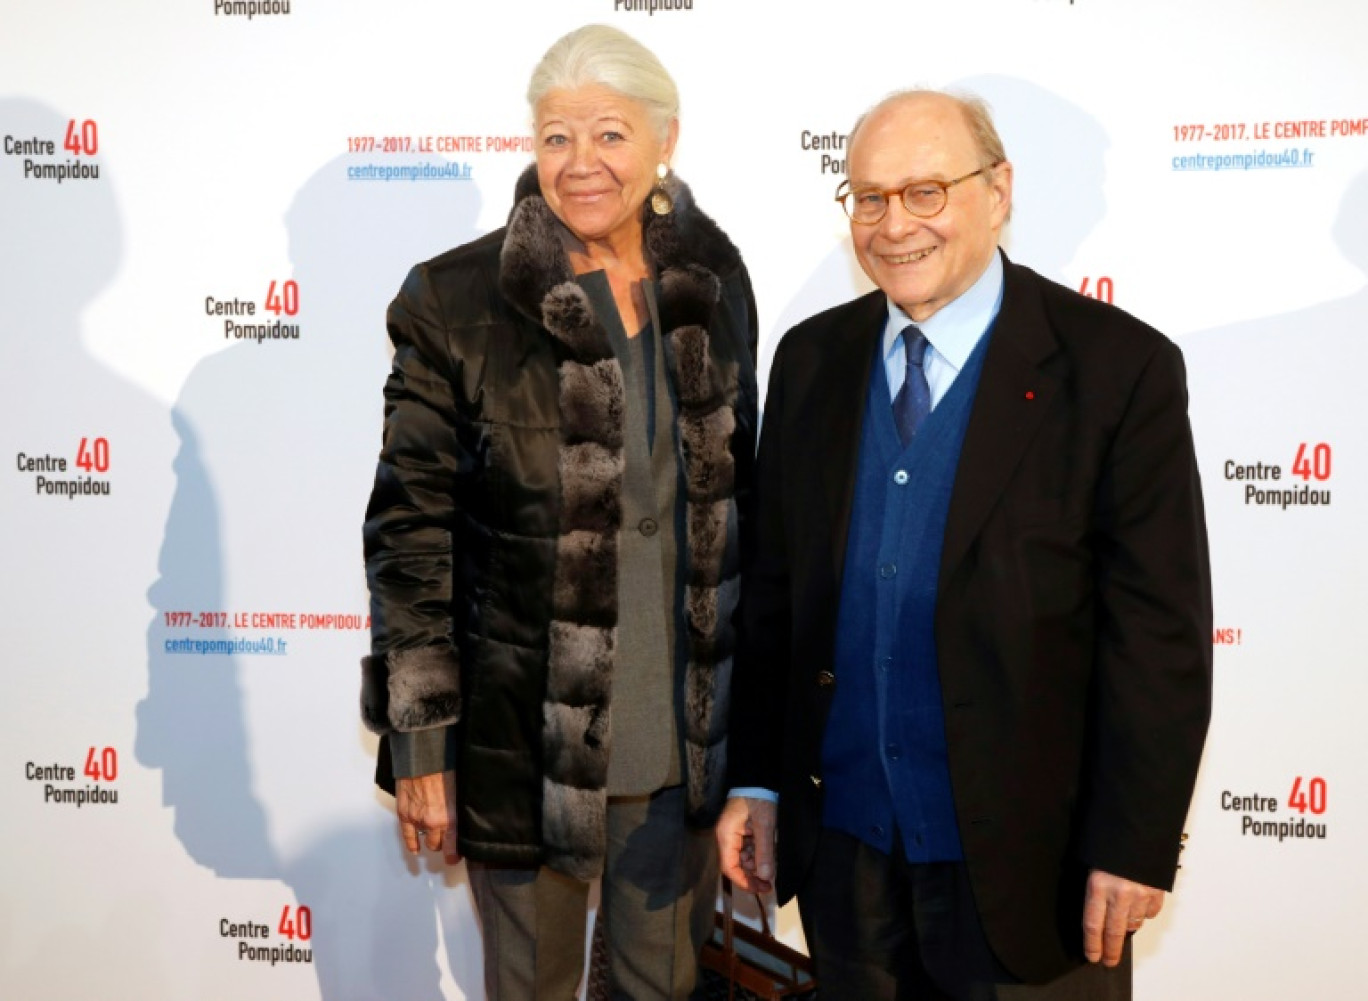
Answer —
922 264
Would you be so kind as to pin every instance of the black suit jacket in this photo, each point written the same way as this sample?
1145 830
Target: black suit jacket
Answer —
1073 616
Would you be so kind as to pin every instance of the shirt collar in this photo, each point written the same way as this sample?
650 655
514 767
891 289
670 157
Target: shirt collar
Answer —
954 330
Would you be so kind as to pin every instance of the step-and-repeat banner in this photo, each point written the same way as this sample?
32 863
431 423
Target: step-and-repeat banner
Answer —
206 207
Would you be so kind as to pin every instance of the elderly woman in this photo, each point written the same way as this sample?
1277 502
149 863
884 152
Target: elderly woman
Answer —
552 540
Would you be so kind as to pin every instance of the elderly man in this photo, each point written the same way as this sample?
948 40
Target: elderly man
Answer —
974 661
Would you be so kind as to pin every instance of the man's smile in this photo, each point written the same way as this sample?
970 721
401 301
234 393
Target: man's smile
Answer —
911 257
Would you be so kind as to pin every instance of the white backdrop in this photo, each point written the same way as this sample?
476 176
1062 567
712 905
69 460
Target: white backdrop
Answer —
185 785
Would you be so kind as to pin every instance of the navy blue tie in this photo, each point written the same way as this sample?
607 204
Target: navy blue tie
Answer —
913 401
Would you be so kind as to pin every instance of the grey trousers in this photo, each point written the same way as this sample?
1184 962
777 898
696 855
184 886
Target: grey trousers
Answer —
659 893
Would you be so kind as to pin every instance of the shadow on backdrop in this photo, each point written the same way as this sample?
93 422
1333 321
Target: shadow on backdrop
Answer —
261 754
1059 184
1260 387
75 567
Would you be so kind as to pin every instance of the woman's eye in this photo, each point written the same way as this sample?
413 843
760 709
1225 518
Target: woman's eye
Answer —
612 137
554 140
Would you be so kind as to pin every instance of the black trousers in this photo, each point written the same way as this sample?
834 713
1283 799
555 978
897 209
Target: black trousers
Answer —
882 929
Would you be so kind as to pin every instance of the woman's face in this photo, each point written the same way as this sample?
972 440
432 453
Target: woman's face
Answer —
596 160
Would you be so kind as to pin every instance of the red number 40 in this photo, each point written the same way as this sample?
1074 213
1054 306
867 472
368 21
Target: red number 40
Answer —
102 765
286 300
299 923
93 456
1316 464
1103 291
82 139
1312 797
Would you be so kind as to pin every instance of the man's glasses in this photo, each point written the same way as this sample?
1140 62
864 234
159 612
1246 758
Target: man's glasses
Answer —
922 199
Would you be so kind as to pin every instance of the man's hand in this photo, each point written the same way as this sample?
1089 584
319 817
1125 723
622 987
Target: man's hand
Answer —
745 842
1113 907
426 805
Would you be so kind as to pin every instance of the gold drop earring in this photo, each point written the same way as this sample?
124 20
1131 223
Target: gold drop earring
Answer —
661 202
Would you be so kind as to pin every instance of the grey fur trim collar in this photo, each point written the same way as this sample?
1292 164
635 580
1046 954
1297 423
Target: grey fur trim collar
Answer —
689 252
532 261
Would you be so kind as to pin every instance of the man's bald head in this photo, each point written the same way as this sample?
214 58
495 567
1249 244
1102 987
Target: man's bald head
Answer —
978 118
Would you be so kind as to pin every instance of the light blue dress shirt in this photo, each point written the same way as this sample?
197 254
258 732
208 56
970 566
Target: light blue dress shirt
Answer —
952 333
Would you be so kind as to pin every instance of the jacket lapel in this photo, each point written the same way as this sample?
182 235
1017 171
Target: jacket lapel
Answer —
844 381
1014 394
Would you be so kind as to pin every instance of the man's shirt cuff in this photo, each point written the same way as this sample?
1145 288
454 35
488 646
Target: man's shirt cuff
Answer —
754 792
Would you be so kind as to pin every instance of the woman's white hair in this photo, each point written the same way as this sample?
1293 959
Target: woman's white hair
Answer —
598 54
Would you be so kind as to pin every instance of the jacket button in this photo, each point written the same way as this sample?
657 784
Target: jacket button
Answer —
825 679
648 527
816 781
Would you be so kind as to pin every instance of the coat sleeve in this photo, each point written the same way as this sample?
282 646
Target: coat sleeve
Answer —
1152 671
759 682
411 680
744 321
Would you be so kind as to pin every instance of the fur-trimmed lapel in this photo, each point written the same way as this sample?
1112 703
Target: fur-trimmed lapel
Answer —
533 261
689 253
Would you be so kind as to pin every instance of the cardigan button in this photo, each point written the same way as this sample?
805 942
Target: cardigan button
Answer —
825 679
900 477
647 527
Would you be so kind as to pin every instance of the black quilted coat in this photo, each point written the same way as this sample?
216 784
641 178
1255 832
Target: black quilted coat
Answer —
491 534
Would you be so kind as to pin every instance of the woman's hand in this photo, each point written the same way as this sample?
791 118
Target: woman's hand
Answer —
426 805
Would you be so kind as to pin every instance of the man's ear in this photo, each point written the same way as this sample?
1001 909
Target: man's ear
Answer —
1001 185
